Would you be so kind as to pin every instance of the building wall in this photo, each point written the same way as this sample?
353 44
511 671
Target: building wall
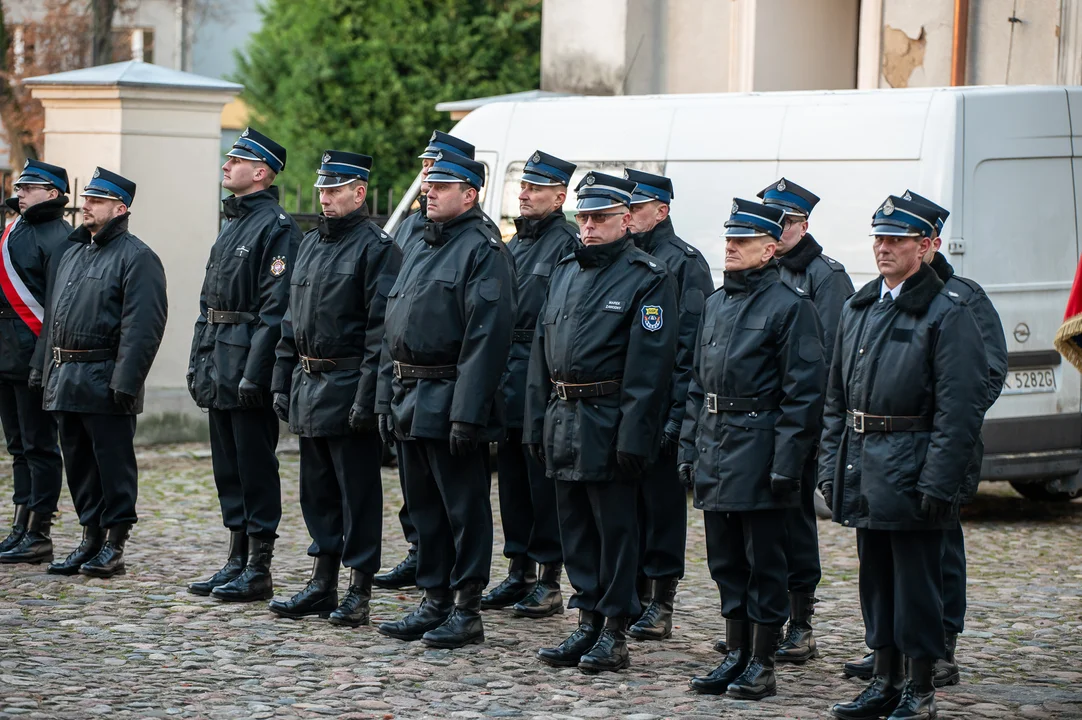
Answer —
809 45
583 46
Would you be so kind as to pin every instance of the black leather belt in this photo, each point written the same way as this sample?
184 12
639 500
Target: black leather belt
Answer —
228 317
715 404
574 391
320 365
864 423
523 336
424 372
60 355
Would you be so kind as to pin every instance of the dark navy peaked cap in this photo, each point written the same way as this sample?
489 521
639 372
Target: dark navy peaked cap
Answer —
649 187
106 184
750 219
790 197
545 169
451 167
449 143
340 167
36 172
944 213
898 217
254 145
598 191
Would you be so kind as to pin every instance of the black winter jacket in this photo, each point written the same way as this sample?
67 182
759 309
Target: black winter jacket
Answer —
821 278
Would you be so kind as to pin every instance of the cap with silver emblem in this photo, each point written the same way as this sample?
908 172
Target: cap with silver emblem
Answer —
340 168
36 172
545 169
898 217
649 187
790 197
442 141
752 219
254 145
451 167
106 184
943 213
597 191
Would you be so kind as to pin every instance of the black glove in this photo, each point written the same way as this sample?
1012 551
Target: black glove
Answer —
934 509
781 485
630 464
281 406
386 429
189 379
464 438
827 491
537 452
686 473
360 420
125 401
670 438
249 394
35 380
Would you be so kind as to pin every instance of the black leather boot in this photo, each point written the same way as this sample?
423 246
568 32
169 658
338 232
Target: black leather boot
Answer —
93 539
18 528
918 696
881 696
609 653
946 669
570 651
234 565
545 598
798 645
463 626
860 668
757 681
110 559
520 580
737 641
36 545
656 621
403 575
353 612
319 596
255 581
434 609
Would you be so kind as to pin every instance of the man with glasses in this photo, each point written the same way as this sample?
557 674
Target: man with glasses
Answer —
594 410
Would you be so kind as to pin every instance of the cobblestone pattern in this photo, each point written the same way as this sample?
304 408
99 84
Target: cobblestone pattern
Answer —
139 646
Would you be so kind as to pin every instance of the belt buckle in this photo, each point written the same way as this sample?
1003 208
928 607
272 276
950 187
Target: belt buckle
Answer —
858 422
397 369
210 316
561 391
305 364
712 403
56 355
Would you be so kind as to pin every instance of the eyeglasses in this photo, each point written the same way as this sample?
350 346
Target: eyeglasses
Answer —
598 218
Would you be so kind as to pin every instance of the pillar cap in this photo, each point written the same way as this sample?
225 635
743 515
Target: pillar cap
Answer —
136 74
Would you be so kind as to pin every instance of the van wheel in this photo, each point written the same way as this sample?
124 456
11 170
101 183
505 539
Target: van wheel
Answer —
1041 493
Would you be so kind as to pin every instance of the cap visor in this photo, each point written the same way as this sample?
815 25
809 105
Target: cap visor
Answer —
95 192
745 232
429 155
597 203
329 181
535 179
31 180
441 177
243 154
893 231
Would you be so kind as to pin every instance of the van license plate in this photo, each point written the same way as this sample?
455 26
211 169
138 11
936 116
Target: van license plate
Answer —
1031 380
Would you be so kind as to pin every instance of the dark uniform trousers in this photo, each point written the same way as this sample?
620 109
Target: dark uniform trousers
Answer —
242 444
449 504
954 579
663 521
901 590
746 555
599 527
527 503
408 529
342 498
802 540
100 461
36 466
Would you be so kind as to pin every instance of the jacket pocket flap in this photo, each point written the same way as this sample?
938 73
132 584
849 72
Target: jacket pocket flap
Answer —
753 322
445 274
542 269
95 272
345 268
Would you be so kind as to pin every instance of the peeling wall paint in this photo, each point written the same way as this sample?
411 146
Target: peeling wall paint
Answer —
901 55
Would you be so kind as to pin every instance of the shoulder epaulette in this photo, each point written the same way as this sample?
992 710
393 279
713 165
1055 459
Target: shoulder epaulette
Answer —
656 266
284 220
832 263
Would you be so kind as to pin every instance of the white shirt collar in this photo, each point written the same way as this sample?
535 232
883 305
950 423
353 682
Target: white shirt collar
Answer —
893 293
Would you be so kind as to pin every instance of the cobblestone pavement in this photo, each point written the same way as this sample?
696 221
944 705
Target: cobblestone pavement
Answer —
139 646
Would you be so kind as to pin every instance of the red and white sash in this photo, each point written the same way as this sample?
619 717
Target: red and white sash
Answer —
18 295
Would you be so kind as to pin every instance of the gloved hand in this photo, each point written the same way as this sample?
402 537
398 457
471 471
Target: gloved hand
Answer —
35 380
125 401
281 406
934 509
686 472
630 464
249 394
537 452
386 429
190 380
781 485
827 491
360 420
670 438
464 437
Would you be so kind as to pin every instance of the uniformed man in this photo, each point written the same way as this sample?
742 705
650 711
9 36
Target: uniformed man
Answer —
663 514
954 558
104 322
527 498
448 331
325 387
753 412
409 232
903 413
245 294
803 265
32 245
594 412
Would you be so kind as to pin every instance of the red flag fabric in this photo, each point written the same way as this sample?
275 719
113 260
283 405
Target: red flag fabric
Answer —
1069 336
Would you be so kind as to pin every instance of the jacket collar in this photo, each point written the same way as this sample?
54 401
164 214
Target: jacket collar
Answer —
530 230
602 255
917 294
748 281
800 257
649 240
113 229
42 212
238 207
942 268
338 227
439 233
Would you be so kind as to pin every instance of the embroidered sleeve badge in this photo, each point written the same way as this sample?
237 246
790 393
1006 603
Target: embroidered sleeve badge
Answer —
278 266
652 317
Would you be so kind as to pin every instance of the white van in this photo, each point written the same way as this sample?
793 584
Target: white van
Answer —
1007 162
